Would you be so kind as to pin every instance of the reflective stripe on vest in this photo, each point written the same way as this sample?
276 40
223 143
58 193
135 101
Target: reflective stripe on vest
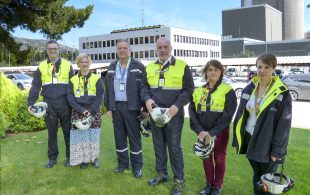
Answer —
217 99
173 77
47 71
78 85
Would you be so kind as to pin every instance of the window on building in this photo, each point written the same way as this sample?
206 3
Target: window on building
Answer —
181 39
112 43
186 40
136 40
131 54
92 56
104 44
152 39
178 38
84 46
131 41
156 37
108 43
100 56
141 54
141 40
136 54
162 35
152 53
174 38
96 56
104 56
99 44
174 52
113 56
146 54
91 44
146 40
95 43
108 56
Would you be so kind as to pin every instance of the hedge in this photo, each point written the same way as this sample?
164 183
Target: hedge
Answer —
14 116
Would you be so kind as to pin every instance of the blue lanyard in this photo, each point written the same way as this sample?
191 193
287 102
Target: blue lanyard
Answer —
122 72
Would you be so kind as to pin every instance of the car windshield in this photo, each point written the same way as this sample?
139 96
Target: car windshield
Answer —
23 76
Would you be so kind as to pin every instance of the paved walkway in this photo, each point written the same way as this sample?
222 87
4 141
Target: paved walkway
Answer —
301 114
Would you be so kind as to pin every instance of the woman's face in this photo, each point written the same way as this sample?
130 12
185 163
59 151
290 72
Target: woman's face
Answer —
264 71
84 64
213 73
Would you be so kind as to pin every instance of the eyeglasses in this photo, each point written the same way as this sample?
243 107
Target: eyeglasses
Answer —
50 49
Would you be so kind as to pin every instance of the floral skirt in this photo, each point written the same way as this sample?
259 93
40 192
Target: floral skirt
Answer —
84 144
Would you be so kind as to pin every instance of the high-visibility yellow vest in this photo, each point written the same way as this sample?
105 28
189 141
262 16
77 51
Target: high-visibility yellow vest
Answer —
47 71
217 98
78 85
173 77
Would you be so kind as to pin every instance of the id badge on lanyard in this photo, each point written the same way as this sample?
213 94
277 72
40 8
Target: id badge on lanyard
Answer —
55 80
77 93
161 82
122 86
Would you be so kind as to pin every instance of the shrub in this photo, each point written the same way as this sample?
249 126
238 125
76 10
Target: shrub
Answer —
14 115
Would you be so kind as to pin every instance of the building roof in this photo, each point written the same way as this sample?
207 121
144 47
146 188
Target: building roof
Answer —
137 28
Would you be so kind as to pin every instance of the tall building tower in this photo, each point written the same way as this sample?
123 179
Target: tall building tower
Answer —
292 16
246 3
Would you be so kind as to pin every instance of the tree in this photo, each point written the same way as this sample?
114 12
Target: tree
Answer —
245 54
49 17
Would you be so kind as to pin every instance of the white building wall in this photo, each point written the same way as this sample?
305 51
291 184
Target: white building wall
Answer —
196 48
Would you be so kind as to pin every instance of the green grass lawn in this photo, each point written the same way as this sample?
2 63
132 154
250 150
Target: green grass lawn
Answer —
23 157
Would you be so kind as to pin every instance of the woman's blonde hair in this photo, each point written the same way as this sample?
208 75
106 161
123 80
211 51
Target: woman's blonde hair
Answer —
81 56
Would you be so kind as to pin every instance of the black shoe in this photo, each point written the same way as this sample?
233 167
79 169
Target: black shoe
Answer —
161 177
50 163
137 173
216 191
83 165
178 187
120 169
206 190
96 163
66 163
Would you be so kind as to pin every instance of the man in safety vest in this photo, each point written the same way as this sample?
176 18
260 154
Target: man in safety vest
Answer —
168 83
51 79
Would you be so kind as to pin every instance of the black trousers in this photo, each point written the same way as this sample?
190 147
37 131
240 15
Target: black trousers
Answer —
58 109
169 136
127 125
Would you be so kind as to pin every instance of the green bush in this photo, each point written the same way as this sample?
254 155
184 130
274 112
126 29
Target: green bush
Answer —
14 115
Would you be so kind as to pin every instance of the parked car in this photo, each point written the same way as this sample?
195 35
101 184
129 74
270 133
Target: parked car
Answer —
232 72
23 81
295 71
237 86
299 85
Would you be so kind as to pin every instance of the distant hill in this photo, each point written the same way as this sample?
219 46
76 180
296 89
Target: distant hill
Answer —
40 44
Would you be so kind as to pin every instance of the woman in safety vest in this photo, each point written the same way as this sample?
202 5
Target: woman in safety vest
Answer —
84 94
263 120
211 110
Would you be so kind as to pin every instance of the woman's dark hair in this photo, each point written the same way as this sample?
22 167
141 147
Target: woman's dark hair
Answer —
217 64
268 59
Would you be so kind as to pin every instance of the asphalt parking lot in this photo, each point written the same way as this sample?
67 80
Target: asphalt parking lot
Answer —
301 110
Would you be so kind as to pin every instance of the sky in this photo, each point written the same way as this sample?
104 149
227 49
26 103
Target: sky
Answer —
109 15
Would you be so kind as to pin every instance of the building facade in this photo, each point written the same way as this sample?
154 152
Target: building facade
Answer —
261 22
196 48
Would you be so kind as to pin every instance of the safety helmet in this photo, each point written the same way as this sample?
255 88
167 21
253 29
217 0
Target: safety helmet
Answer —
204 148
275 183
39 109
83 124
160 116
145 125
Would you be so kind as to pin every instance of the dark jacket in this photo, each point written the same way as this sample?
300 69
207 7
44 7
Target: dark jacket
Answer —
272 128
211 121
49 92
165 97
133 87
90 103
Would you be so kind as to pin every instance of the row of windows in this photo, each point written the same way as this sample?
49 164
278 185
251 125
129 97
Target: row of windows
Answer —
152 54
112 43
195 40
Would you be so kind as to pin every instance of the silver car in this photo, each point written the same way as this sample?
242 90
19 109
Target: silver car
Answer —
23 81
299 86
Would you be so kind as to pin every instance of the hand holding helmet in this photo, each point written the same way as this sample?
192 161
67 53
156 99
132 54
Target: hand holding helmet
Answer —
83 124
160 116
204 148
38 109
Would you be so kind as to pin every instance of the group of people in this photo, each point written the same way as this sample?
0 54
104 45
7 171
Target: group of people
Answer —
261 125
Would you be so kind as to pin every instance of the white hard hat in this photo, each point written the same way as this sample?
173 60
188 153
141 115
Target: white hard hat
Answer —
159 116
39 109
83 124
276 183
204 148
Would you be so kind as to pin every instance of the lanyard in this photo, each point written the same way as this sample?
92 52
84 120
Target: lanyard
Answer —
85 82
257 100
122 72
